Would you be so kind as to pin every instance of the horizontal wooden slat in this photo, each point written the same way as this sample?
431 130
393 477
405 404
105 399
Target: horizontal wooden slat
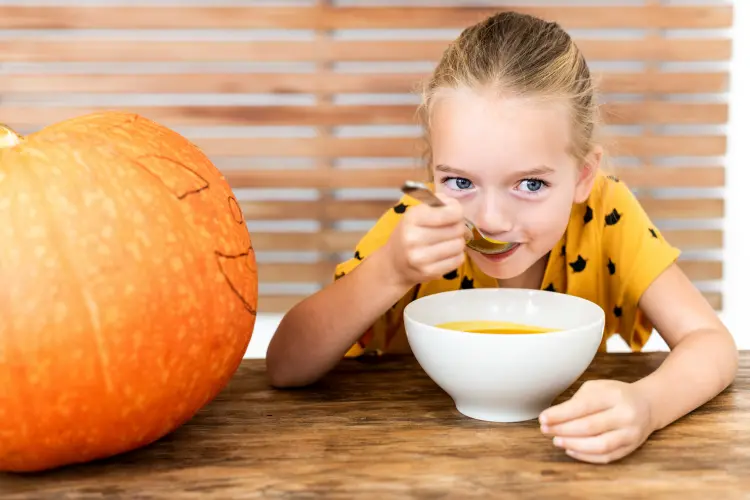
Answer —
635 177
323 178
330 241
297 272
325 83
316 272
275 304
702 270
327 241
328 18
282 303
702 208
695 239
619 113
672 177
664 113
662 83
715 299
333 210
324 147
321 210
327 50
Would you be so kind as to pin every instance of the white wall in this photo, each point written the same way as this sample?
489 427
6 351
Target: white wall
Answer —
737 193
737 239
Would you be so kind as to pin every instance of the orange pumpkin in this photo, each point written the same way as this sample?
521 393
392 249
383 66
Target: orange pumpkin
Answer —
128 288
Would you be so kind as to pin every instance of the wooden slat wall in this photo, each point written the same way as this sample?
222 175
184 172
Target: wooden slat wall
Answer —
307 108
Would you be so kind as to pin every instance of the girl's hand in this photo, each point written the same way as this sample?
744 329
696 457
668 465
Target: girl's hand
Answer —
603 422
428 242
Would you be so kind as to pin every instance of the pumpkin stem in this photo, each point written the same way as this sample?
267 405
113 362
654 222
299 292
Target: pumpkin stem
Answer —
8 138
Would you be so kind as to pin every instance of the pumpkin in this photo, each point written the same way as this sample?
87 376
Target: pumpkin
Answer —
128 288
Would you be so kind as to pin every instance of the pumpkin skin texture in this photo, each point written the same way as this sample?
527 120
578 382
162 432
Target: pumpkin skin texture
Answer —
128 289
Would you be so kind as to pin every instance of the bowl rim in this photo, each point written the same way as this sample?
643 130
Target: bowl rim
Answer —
532 291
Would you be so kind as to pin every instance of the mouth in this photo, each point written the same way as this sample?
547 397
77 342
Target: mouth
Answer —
502 255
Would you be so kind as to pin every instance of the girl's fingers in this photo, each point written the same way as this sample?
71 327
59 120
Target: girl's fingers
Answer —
598 458
426 216
603 444
590 425
588 400
419 236
427 255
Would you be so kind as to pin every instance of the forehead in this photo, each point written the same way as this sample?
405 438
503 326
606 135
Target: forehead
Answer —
471 130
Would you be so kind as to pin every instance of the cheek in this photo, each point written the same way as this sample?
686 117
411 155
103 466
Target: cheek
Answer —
547 222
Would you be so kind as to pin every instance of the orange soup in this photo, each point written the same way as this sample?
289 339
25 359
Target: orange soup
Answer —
494 327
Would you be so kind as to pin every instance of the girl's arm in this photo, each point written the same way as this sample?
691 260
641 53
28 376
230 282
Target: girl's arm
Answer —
606 419
703 359
316 333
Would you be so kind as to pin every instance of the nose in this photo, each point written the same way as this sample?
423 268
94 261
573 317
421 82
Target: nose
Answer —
493 218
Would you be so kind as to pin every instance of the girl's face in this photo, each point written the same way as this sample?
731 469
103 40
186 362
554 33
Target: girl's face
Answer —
508 161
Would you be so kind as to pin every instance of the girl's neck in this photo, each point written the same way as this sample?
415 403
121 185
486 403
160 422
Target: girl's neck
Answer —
531 278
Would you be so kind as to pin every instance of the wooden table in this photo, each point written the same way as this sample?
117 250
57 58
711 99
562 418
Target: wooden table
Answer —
384 430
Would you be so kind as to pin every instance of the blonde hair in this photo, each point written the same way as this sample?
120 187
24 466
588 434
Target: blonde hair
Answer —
523 56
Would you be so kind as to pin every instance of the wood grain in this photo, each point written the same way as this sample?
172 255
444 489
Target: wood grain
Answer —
328 83
639 146
641 101
376 429
643 176
103 50
329 18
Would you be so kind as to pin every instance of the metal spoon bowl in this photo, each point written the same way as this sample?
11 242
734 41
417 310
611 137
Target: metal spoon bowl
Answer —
478 241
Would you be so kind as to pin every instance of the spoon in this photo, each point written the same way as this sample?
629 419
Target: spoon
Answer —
478 241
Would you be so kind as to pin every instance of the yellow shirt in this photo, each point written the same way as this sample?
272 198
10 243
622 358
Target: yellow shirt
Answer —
610 253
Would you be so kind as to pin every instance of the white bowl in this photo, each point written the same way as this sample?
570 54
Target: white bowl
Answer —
504 377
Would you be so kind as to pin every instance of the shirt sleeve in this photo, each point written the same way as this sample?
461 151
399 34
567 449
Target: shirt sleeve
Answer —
635 254
375 339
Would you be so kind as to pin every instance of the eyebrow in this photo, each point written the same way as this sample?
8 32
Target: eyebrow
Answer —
450 170
539 170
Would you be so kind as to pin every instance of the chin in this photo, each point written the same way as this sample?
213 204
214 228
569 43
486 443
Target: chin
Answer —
503 267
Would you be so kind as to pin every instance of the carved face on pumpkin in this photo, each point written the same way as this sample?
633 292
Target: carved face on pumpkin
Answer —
129 288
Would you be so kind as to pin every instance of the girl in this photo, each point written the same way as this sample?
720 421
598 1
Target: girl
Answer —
510 116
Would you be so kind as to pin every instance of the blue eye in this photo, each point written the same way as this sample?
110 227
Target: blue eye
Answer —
533 185
458 183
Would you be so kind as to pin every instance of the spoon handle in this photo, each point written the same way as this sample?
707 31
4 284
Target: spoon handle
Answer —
421 192
473 236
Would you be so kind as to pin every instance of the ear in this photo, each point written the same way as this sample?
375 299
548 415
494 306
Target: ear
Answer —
587 174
